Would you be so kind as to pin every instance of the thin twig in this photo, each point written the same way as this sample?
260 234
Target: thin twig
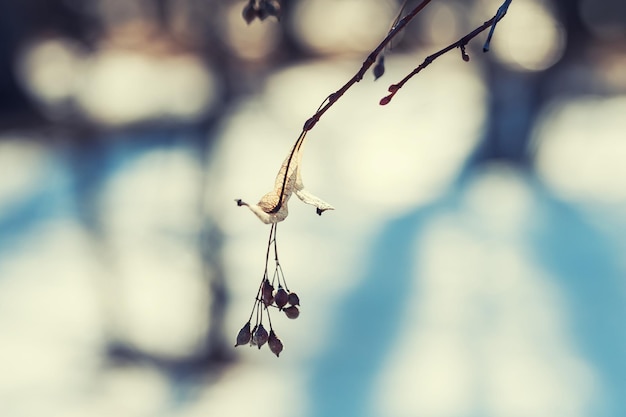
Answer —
393 89
371 59
334 97
499 15
461 43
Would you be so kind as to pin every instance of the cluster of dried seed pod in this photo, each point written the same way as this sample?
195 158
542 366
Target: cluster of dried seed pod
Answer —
284 300
258 336
280 298
261 9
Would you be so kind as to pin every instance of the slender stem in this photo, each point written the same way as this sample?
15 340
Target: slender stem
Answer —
275 245
258 297
269 245
269 320
499 15
278 273
253 309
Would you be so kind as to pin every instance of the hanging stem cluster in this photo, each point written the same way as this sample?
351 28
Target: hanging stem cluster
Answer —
272 293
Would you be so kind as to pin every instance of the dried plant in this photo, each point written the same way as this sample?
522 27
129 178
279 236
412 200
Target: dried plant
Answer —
273 293
272 207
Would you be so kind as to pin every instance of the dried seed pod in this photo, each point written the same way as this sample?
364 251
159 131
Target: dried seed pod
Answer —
249 13
266 292
259 336
263 11
294 300
244 335
271 7
464 54
281 298
276 346
292 312
379 68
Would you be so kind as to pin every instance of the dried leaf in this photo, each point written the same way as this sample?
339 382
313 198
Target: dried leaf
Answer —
305 196
272 208
308 198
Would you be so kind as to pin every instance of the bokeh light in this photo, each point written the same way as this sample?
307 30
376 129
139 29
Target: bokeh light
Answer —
120 87
347 26
254 41
50 69
581 149
607 21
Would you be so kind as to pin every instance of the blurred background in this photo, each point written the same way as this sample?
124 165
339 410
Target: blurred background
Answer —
473 265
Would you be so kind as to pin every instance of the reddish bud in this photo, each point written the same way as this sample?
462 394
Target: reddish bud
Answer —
259 336
393 88
385 100
244 335
266 292
276 346
281 298
292 312
294 300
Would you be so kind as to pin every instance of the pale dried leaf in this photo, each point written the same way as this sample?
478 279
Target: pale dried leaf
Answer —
304 195
309 198
271 208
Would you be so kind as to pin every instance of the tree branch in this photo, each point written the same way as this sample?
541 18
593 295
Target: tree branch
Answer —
393 89
371 59
461 43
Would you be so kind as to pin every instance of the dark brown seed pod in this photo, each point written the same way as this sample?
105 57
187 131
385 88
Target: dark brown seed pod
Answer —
259 336
249 13
244 335
281 298
276 346
266 292
263 11
292 312
268 8
379 68
294 300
